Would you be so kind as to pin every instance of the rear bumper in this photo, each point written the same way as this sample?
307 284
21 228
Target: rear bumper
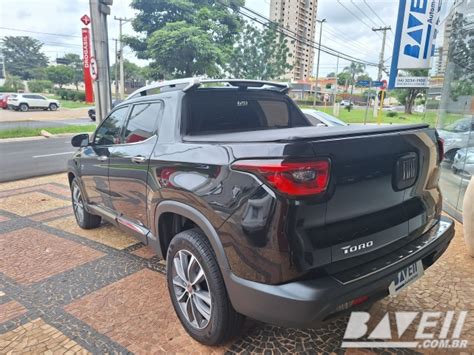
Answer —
312 302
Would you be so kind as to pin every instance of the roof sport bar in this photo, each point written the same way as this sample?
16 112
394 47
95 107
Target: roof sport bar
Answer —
187 84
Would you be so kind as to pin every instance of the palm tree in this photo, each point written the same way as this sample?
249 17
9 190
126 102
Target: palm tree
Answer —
354 69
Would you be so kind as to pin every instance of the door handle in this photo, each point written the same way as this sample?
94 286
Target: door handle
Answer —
138 159
102 158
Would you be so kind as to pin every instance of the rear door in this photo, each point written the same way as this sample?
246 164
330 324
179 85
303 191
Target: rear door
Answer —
128 168
95 158
41 101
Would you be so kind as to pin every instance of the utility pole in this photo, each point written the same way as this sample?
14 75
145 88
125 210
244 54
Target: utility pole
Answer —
319 55
121 21
100 43
381 60
116 72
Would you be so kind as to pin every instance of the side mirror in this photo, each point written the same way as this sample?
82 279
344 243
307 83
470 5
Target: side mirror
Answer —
80 140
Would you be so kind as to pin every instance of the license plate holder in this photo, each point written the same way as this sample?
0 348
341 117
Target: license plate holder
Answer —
406 277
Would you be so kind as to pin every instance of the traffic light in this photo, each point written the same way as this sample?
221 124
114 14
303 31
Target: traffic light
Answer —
63 61
380 95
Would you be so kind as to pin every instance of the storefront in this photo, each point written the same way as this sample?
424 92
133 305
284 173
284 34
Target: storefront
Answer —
456 112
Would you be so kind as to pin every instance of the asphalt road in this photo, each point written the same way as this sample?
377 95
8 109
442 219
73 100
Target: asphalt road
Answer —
29 158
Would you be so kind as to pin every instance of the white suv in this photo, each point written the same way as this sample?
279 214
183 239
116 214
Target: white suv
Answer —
24 102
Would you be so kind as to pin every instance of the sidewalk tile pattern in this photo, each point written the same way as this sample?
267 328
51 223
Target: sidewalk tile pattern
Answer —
68 290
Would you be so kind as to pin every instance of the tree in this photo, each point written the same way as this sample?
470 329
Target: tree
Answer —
185 37
22 55
343 79
364 76
75 62
259 54
354 69
331 75
407 96
14 83
132 72
60 74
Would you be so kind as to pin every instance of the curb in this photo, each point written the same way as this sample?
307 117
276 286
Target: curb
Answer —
35 138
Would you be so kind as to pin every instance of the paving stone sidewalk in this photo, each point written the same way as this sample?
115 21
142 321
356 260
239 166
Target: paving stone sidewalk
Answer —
68 290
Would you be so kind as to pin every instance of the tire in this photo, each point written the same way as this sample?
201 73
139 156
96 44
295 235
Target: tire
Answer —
84 219
223 322
53 107
24 107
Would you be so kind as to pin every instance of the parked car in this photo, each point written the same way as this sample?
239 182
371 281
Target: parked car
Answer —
91 110
3 101
457 136
464 162
346 103
256 211
319 118
24 102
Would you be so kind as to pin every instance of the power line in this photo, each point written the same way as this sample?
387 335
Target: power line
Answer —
363 13
38 32
373 11
354 15
294 36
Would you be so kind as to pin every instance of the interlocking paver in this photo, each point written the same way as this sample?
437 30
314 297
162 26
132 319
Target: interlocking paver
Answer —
38 337
144 252
10 310
106 234
30 203
29 255
137 313
117 303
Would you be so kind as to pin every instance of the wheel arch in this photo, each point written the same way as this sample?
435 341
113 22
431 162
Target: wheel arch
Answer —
199 220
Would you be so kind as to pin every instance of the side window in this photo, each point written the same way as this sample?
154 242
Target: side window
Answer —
29 96
108 132
142 122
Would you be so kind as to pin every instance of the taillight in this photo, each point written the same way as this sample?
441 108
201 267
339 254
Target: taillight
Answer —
440 148
290 178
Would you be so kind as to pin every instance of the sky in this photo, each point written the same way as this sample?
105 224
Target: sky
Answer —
347 27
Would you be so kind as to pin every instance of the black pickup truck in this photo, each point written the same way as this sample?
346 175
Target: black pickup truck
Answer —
257 212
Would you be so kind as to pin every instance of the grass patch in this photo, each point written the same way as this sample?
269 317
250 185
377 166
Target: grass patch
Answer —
69 103
357 115
34 132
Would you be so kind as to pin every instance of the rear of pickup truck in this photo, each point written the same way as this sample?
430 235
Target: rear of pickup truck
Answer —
324 220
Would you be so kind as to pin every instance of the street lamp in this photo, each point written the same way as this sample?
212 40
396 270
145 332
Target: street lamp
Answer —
319 54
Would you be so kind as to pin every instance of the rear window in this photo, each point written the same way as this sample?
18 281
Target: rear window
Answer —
212 111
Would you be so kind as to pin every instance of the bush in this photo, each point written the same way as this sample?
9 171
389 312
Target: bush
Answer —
40 85
3 89
392 114
71 95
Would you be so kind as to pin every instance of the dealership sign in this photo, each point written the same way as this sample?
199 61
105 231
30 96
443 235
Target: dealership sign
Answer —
417 28
412 82
86 57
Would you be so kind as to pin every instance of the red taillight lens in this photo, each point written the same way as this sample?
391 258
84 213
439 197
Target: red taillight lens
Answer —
440 149
290 178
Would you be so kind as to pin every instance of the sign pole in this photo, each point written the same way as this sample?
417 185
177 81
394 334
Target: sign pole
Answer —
379 117
367 104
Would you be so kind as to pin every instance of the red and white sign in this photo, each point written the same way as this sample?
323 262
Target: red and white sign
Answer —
384 85
85 20
93 68
86 57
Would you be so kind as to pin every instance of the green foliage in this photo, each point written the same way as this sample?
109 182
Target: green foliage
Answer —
343 78
14 83
259 54
40 85
71 95
185 37
408 96
364 76
392 114
60 74
75 62
331 75
3 89
132 72
22 56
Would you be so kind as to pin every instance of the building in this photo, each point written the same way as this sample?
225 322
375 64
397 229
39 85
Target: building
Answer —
299 17
467 8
